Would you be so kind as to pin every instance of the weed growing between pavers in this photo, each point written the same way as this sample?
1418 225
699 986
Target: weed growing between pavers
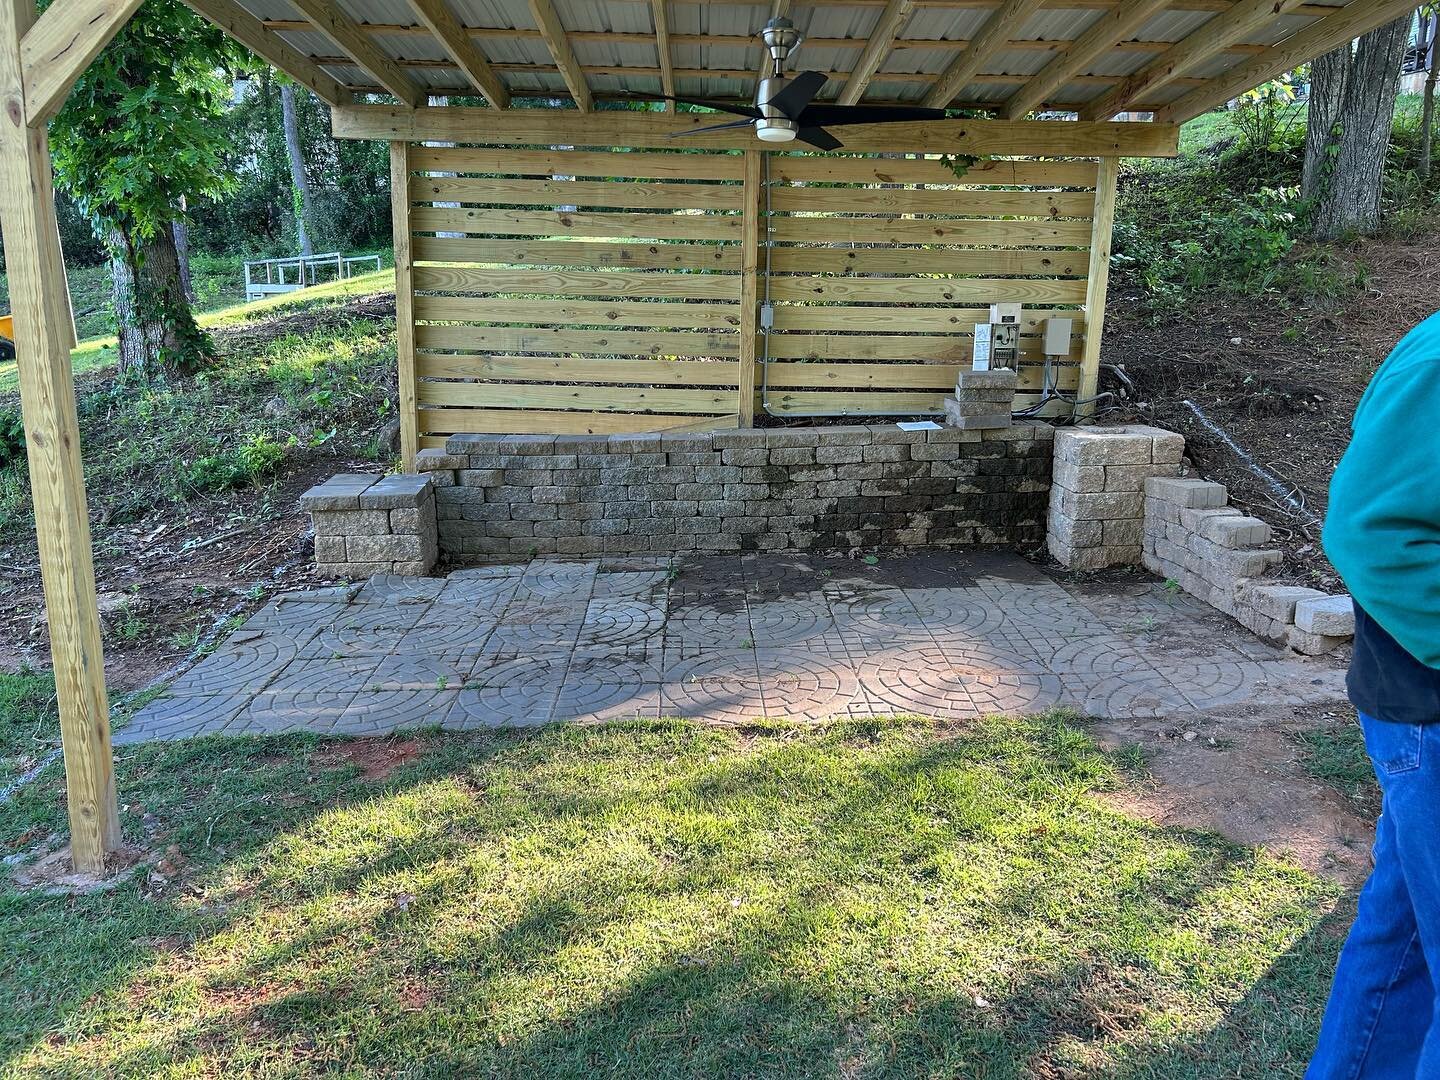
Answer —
663 899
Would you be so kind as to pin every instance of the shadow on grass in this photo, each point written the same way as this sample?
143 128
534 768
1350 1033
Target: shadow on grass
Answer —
670 900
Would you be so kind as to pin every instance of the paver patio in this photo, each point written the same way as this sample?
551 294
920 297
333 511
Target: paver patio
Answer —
726 639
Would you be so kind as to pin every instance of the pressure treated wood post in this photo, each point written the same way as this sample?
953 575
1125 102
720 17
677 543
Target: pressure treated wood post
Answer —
750 240
404 303
1097 284
47 401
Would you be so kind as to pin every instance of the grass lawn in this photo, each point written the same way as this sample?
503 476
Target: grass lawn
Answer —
660 899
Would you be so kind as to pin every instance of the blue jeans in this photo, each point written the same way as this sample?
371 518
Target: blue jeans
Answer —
1380 1021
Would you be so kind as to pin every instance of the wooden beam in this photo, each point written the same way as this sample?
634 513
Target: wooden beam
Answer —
1098 283
882 41
1010 17
553 33
52 446
404 302
329 20
239 24
750 286
662 50
552 127
1111 27
441 21
61 44
1315 40
1241 21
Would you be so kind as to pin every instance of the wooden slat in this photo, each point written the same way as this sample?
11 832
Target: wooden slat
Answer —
524 421
52 448
749 288
914 347
404 304
611 399
637 256
882 377
575 193
835 403
583 312
1098 282
928 291
1005 20
549 127
908 319
1044 261
621 284
330 21
561 223
440 20
971 232
877 49
960 202
552 31
239 24
628 165
869 170
58 48
591 342
569 369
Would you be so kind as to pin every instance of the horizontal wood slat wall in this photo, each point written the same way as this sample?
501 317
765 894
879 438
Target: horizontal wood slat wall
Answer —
572 291
880 269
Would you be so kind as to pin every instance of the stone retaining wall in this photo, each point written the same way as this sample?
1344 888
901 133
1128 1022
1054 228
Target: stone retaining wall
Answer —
367 524
872 487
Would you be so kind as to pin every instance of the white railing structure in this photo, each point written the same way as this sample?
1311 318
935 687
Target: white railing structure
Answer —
298 272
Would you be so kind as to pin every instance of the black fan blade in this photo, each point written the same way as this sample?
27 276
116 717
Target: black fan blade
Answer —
797 93
712 127
867 114
718 106
818 137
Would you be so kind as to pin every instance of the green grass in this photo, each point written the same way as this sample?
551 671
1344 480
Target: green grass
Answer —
29 721
1336 755
662 900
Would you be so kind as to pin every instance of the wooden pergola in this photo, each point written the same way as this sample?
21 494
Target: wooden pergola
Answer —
1081 61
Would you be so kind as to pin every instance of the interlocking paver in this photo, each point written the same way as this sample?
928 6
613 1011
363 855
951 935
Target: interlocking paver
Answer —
727 639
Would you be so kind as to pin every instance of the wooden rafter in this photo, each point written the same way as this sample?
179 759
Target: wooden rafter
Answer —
326 17
1315 40
993 36
1214 36
662 49
881 42
61 44
239 24
441 21
553 34
1111 27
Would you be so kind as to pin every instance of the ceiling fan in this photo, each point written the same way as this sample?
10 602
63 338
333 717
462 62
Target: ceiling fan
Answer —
785 108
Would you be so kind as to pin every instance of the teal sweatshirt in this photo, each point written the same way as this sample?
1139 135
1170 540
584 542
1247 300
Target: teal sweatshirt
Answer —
1382 529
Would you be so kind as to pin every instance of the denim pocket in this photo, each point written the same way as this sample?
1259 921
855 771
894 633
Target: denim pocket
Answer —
1394 748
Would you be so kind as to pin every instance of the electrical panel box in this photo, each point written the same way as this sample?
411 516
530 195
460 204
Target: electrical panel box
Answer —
1005 314
1005 344
1057 336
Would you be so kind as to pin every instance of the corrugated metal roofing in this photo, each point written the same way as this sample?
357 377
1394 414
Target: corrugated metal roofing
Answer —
613 40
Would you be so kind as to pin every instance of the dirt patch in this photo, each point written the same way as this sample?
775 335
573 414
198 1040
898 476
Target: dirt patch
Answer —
1239 773
53 874
376 758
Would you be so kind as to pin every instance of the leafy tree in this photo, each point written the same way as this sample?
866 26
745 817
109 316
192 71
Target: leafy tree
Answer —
143 130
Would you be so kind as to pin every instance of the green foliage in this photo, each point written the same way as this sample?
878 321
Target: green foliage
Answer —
1265 115
245 464
12 435
29 720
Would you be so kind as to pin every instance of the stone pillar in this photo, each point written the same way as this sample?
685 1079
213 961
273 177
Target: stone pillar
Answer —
983 399
368 525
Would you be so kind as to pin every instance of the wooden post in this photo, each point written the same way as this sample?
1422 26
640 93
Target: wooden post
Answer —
47 401
750 240
1098 283
404 303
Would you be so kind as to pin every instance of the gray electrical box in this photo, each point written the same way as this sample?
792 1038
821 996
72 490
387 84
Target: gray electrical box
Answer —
1057 336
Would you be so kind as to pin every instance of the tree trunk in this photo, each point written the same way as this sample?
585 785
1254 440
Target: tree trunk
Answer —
1427 111
182 254
1329 75
1349 196
300 184
156 331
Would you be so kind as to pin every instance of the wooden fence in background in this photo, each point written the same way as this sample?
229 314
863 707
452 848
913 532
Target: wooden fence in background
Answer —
560 290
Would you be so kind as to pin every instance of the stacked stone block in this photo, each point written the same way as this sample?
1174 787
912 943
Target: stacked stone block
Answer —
1196 539
983 399
1097 497
791 489
368 525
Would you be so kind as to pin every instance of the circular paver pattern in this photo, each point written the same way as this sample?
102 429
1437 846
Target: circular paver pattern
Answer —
707 627
182 717
796 684
602 687
723 687
519 692
947 683
881 616
363 629
314 708
790 622
241 668
621 622
397 589
450 629
376 713
558 580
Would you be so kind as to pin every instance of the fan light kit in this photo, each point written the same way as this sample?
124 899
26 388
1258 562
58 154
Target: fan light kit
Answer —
785 109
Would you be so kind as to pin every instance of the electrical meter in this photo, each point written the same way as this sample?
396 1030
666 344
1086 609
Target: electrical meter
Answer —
997 342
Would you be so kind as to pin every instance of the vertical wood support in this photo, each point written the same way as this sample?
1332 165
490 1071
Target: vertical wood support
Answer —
404 303
751 238
1102 228
47 400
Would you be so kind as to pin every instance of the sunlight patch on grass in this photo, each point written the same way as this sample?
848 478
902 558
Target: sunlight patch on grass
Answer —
664 899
